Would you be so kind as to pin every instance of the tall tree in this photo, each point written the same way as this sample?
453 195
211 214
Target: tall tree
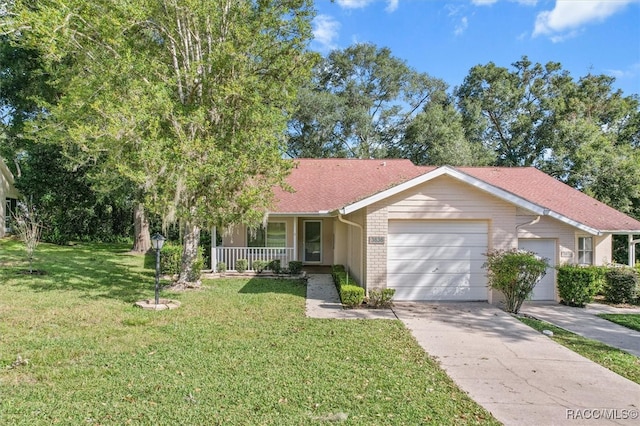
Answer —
507 111
436 137
593 141
582 132
186 99
72 208
22 81
358 102
68 207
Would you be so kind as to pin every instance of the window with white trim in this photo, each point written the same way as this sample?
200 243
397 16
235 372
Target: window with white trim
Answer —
275 235
585 250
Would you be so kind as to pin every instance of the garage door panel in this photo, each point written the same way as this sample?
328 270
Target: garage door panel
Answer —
413 253
437 260
431 239
460 279
438 227
451 291
454 266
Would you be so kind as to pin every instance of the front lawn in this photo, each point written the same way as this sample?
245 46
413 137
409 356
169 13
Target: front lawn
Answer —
74 350
631 321
614 359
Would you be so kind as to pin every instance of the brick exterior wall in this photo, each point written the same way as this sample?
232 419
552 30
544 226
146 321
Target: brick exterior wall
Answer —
377 225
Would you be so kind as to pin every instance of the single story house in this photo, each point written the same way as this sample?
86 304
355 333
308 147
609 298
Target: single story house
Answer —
8 198
425 230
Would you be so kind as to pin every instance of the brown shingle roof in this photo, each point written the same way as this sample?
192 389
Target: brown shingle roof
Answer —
330 183
541 189
325 185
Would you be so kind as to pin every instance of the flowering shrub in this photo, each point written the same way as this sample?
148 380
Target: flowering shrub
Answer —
514 273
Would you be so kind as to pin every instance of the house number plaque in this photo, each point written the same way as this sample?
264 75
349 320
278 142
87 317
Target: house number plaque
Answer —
376 240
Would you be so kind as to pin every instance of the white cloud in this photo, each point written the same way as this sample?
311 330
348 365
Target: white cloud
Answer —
453 10
392 5
462 26
569 15
490 2
354 4
630 72
483 2
325 31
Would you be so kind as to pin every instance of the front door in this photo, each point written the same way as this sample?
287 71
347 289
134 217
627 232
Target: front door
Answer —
313 241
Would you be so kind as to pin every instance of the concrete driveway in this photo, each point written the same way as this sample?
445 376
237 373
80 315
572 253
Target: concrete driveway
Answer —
586 323
521 376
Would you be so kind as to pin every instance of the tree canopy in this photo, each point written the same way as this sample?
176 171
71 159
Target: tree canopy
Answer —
358 102
189 106
185 99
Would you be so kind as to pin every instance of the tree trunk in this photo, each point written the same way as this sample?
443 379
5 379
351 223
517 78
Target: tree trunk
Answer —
190 267
141 237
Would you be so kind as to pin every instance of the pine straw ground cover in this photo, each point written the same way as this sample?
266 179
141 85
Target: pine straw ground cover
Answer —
74 350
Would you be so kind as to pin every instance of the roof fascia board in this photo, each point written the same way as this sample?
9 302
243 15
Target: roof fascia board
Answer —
301 214
480 184
575 224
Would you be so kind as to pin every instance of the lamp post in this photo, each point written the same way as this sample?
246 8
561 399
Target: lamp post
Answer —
157 241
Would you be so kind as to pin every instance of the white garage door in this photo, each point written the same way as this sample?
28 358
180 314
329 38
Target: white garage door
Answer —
545 289
437 260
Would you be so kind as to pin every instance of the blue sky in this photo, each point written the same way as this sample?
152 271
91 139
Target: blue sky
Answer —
445 38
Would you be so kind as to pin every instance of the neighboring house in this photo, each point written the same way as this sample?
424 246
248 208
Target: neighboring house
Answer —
8 198
424 230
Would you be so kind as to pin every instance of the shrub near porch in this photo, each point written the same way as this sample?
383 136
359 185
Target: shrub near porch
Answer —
241 351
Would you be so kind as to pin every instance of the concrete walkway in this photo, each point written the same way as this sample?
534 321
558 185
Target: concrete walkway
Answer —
323 302
521 376
586 323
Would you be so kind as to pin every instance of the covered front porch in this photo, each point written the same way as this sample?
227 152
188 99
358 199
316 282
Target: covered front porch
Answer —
283 239
230 256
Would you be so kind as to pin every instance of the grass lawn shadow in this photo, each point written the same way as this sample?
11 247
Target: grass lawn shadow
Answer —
97 270
259 285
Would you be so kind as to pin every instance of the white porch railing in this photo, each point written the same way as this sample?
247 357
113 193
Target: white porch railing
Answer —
230 255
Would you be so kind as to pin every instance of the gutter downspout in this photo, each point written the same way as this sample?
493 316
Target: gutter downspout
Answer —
545 212
361 228
533 222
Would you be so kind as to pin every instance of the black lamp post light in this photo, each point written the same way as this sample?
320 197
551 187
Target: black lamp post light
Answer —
157 241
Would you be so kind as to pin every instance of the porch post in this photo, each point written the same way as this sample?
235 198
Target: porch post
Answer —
214 252
295 238
632 250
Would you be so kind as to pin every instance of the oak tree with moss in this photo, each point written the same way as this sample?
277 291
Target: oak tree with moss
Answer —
187 99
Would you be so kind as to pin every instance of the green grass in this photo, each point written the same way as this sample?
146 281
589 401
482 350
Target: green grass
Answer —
238 352
614 359
631 321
